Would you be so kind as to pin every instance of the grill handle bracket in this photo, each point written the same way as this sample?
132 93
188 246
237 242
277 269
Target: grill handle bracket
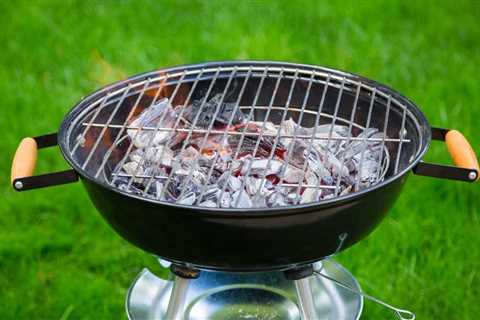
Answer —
25 159
466 164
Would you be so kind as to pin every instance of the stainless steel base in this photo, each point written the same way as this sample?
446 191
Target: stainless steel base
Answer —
265 295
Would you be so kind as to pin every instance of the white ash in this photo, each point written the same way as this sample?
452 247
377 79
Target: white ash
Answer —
159 115
280 165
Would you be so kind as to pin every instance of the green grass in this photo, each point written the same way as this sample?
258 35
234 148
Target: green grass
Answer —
60 260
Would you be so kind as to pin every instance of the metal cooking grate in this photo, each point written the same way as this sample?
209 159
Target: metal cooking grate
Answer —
100 137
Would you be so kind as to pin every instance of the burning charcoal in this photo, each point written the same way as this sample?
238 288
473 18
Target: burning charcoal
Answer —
150 117
329 142
191 157
241 199
330 138
368 155
199 177
180 169
214 174
211 193
260 202
188 198
346 191
297 153
194 182
254 186
159 155
206 112
137 155
216 144
310 195
336 166
133 168
251 179
268 185
189 154
328 180
222 179
222 166
368 171
283 189
369 133
328 196
330 162
287 128
236 165
269 128
317 165
176 141
311 178
293 197
259 166
132 189
293 175
208 204
226 200
249 146
350 164
234 183
154 171
179 184
276 199
253 143
291 128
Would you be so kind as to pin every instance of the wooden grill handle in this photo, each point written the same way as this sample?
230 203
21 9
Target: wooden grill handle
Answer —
23 164
461 151
25 159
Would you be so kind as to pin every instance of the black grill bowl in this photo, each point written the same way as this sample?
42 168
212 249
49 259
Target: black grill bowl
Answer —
244 241
255 239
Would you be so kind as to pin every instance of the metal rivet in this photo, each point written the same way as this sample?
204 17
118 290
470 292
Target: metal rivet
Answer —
472 175
318 266
18 185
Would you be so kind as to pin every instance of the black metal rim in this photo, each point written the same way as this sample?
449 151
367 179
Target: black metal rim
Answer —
424 126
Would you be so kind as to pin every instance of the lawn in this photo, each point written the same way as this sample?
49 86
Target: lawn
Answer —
60 260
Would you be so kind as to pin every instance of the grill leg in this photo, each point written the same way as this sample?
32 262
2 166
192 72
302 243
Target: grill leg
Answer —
176 304
183 277
301 278
305 299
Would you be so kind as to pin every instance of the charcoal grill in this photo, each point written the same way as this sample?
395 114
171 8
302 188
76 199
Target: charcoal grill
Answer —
97 137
